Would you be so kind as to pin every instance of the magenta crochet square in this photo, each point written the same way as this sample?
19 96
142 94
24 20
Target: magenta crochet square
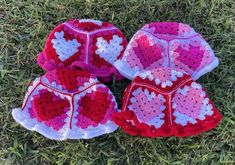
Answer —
167 44
89 44
67 104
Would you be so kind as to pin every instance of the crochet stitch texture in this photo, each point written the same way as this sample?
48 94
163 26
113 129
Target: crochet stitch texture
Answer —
89 44
163 58
67 104
166 102
167 44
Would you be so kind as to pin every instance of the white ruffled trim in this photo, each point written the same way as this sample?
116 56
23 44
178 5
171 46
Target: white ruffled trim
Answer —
206 69
123 67
23 118
32 124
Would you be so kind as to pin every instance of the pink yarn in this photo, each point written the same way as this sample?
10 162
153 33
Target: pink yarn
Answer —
67 103
83 121
190 103
56 123
147 55
145 108
167 44
166 102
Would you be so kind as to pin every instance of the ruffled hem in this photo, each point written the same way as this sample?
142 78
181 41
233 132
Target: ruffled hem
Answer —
128 121
66 133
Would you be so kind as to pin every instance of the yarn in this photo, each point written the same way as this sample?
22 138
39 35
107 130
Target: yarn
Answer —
167 44
166 102
89 44
67 104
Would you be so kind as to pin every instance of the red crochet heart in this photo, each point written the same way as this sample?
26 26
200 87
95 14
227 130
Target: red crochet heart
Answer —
192 57
146 52
95 106
71 79
48 106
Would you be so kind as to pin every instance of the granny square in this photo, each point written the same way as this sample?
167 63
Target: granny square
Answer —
166 102
167 44
89 44
67 104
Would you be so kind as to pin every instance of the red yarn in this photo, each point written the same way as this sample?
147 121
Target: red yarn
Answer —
172 125
87 26
51 53
70 78
96 107
48 106
75 41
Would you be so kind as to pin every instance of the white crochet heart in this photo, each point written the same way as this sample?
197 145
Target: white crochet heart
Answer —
64 48
109 51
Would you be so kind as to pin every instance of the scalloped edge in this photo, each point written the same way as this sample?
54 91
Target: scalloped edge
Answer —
206 69
78 133
124 69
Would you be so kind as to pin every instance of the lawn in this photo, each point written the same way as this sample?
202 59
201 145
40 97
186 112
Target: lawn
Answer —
24 26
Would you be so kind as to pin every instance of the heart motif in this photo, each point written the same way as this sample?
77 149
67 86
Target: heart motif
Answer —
147 52
95 106
64 48
72 79
190 104
191 57
147 105
49 106
109 51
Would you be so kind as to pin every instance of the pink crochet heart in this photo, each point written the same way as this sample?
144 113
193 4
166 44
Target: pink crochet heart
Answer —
189 102
146 105
147 52
191 57
167 44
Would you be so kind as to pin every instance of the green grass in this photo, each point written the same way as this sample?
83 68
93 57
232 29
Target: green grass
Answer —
24 26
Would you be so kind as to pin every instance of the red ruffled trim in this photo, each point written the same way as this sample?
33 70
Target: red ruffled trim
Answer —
128 121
